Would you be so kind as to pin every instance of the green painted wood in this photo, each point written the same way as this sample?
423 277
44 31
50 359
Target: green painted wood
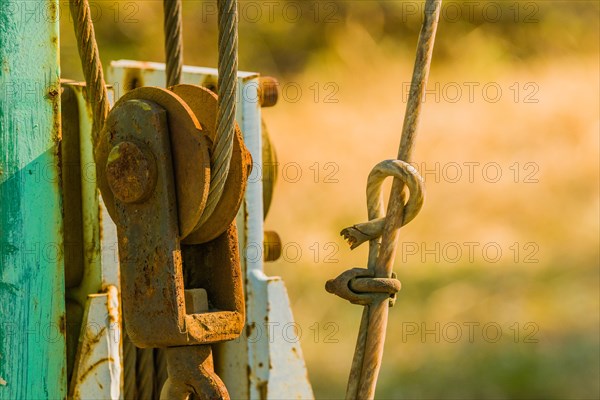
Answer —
32 305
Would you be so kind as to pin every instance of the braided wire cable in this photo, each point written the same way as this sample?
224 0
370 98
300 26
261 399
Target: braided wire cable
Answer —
97 95
173 40
129 374
220 158
144 373
160 369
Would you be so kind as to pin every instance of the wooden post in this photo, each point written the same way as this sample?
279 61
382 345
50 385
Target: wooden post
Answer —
32 302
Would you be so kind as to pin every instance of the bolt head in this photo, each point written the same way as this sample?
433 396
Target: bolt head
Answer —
131 172
272 246
268 91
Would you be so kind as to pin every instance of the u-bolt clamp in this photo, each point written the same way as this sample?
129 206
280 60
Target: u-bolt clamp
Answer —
153 173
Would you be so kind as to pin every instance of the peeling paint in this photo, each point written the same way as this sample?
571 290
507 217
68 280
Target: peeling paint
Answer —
30 215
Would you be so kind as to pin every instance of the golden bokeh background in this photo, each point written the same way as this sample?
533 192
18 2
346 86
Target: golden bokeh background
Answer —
500 278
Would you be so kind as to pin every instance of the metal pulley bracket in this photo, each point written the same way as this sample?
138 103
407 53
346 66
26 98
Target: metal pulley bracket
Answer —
151 149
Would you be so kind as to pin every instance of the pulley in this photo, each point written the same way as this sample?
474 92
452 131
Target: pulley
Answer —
191 121
154 175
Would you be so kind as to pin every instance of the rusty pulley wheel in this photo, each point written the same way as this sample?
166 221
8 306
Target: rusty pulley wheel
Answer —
191 162
191 114
140 174
203 104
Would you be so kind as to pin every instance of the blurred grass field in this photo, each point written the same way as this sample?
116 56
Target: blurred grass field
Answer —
556 215
541 133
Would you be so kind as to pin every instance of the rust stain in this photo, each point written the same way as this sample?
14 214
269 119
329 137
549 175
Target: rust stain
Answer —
100 222
87 347
262 389
249 328
54 96
97 338
62 325
133 80
210 82
250 77
59 163
53 12
92 367
113 316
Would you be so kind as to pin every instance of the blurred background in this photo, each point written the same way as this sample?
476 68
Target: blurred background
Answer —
500 271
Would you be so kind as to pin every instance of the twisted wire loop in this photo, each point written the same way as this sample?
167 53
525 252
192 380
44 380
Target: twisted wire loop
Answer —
382 232
220 158
173 23
97 95
372 230
359 285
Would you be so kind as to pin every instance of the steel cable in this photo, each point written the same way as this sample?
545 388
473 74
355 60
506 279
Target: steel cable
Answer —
383 232
173 41
220 157
129 374
90 63
144 373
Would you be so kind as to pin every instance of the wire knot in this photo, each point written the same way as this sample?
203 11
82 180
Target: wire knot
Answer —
359 286
372 230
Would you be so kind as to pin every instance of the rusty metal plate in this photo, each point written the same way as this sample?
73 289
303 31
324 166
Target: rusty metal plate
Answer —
149 254
203 104
191 161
